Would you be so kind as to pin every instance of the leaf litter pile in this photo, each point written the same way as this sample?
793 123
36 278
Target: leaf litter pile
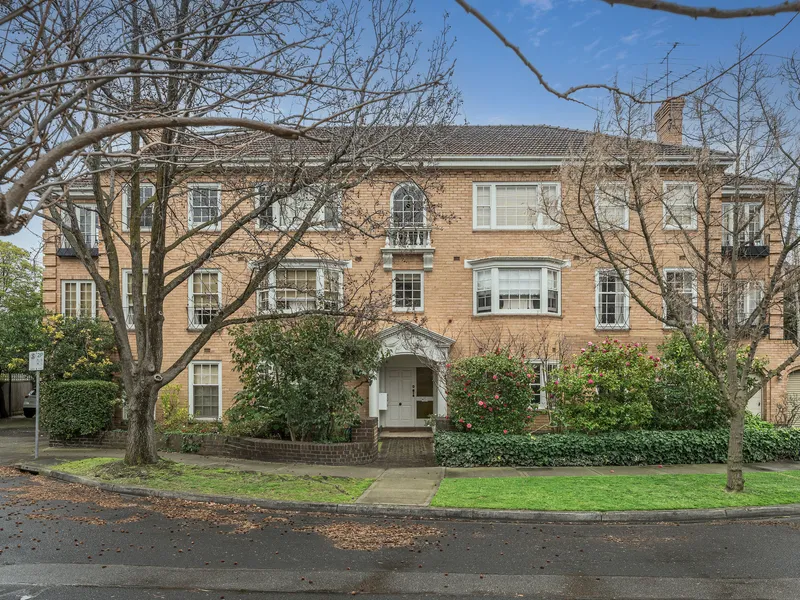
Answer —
345 535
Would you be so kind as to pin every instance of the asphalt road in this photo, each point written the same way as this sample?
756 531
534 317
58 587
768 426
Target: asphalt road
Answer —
65 542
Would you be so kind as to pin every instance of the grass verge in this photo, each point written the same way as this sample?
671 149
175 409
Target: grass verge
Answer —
605 493
168 475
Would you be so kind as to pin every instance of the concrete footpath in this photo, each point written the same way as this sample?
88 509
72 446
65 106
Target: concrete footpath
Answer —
411 486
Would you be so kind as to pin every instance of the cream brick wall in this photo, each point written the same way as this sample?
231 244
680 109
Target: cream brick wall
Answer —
448 302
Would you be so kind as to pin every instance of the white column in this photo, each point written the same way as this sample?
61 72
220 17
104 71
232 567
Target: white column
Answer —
373 395
441 389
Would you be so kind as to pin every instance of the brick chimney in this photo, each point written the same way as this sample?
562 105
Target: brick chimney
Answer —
669 121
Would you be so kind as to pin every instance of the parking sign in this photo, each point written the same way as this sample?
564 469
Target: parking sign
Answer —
35 361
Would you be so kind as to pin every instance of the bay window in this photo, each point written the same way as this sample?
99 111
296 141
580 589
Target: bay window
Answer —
508 286
521 205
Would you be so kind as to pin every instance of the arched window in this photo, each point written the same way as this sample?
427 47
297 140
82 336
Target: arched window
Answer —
408 206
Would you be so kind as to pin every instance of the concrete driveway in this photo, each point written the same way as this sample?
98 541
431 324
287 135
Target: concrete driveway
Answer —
16 440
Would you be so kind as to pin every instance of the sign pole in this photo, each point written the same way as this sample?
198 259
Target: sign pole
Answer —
36 443
36 364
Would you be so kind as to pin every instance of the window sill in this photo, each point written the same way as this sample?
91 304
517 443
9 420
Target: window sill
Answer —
687 228
612 327
517 314
502 229
407 310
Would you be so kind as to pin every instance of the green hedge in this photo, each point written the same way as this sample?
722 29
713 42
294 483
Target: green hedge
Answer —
620 448
77 408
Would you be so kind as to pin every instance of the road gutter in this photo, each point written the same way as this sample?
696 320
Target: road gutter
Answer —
694 515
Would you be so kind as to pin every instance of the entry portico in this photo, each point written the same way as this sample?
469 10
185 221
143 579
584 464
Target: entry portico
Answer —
410 385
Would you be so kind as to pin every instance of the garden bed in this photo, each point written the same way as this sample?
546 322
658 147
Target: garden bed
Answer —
363 448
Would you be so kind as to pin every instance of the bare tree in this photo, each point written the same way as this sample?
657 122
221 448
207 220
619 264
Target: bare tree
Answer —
701 244
656 5
282 111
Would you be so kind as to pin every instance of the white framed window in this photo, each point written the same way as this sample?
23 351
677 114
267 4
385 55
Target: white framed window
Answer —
611 205
747 296
511 206
408 291
205 389
205 205
205 297
78 298
86 215
750 227
146 191
127 295
290 212
542 370
680 205
611 300
408 206
300 285
516 287
681 285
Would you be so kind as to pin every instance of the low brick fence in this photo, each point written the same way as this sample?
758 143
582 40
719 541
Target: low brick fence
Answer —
363 448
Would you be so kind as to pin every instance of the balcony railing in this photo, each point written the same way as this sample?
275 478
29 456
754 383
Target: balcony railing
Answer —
747 250
408 237
200 316
614 318
66 249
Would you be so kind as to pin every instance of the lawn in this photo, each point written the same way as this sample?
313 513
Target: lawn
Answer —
168 475
604 493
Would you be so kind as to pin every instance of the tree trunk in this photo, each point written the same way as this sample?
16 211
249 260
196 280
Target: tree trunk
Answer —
735 452
141 447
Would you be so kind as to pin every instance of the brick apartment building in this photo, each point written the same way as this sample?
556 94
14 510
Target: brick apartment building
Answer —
496 269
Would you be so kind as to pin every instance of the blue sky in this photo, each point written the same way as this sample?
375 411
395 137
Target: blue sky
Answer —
577 41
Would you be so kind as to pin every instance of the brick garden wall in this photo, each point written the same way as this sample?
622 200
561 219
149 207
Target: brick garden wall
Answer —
363 448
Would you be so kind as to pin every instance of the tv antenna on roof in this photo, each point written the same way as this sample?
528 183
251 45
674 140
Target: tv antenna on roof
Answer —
665 61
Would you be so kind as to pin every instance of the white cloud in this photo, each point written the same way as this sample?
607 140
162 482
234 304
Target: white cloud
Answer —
631 38
539 5
622 55
589 15
536 38
592 46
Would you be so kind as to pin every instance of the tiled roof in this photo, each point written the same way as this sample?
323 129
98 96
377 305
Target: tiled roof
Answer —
451 140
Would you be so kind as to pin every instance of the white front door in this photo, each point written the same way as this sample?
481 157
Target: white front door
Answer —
754 404
400 401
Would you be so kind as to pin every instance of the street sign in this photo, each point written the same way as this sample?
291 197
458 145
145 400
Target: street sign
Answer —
35 361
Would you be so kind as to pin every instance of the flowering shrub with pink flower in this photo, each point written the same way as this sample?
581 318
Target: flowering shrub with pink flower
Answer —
606 388
491 393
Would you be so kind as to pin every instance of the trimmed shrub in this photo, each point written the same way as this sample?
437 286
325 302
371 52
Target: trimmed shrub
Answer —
490 393
77 408
623 448
298 376
607 388
685 395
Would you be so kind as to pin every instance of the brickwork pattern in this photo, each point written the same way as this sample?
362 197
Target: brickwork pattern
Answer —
363 449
